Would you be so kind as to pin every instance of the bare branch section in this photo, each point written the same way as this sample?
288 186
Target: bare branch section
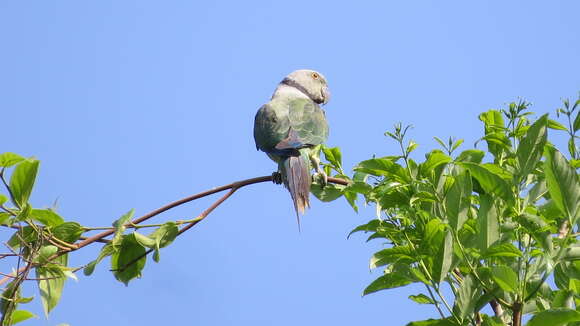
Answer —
100 237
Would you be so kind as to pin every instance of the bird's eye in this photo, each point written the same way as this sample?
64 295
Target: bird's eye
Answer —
315 75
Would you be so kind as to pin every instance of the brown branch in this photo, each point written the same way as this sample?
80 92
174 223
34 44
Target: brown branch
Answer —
185 228
517 314
100 237
30 278
172 205
234 186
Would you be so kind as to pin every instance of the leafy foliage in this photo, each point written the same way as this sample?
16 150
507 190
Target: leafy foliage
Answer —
493 226
42 240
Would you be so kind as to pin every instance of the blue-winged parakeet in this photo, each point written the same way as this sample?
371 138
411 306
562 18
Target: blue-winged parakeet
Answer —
289 128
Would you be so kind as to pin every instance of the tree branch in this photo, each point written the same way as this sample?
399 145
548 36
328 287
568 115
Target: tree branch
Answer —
232 187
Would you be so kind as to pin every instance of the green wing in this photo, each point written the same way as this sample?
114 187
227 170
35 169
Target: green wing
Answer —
275 119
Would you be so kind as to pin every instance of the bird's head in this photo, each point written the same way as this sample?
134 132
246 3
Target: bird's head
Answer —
311 83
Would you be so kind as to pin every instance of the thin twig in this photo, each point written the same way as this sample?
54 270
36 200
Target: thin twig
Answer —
234 186
8 187
237 185
31 278
100 237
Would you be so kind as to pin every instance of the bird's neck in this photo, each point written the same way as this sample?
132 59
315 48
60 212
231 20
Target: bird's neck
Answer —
286 91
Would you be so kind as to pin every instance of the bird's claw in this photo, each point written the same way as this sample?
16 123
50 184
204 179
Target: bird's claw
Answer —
322 178
277 178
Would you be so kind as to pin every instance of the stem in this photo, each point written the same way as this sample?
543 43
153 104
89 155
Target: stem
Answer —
185 228
237 185
474 272
547 273
434 284
434 300
446 303
8 187
100 237
517 314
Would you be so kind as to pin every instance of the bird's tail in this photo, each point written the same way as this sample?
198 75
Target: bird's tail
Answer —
297 180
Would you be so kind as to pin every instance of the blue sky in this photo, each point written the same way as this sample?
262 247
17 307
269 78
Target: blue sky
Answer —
133 104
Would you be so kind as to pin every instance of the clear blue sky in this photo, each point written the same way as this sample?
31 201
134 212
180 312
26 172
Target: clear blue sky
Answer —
133 104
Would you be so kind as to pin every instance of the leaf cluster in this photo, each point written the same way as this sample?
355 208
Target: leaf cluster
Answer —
491 225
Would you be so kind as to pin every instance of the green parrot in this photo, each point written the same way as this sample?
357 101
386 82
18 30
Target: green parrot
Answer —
289 128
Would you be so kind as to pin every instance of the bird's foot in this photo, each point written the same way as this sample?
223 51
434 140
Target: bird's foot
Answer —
277 178
321 178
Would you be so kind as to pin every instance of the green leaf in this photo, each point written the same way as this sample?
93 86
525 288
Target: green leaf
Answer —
497 143
120 227
6 303
161 237
144 240
359 187
129 260
51 284
443 258
5 219
433 234
531 146
572 149
456 144
391 255
491 182
411 146
165 234
505 249
106 251
491 321
333 156
21 315
572 253
563 299
387 281
22 181
327 193
351 199
383 167
563 184
369 227
467 296
25 300
471 155
488 223
45 253
68 231
26 234
457 200
538 191
8 159
555 125
3 199
561 277
433 322
434 159
577 122
46 216
421 299
24 213
505 277
554 317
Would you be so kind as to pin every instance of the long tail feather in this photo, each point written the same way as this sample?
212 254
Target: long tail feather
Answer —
298 183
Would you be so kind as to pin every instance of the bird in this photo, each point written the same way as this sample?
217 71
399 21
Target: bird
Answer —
290 129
